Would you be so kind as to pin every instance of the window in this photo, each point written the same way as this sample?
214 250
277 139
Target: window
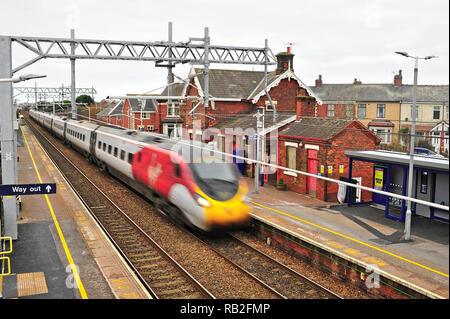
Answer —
330 110
109 149
382 135
145 115
361 111
270 107
292 157
115 151
150 128
130 158
122 155
436 139
436 113
349 112
177 171
381 110
104 147
99 145
423 182
173 109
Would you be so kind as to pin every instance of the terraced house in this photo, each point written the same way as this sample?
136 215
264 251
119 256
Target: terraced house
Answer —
384 108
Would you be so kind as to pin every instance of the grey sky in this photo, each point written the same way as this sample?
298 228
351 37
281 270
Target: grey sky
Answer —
341 40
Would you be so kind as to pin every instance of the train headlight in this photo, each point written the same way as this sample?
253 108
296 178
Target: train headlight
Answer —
202 201
245 198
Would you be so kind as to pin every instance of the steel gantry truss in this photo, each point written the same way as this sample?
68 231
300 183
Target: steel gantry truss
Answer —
194 51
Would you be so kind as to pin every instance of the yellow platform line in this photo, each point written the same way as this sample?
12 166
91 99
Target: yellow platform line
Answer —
55 221
355 240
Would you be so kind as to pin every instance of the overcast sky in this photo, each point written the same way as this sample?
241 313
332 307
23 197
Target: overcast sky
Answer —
342 40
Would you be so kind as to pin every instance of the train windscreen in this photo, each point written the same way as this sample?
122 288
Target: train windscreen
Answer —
220 181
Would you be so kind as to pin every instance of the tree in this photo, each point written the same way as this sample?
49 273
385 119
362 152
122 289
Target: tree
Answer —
84 99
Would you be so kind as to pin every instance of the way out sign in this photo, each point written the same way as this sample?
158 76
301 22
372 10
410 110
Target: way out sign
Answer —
28 189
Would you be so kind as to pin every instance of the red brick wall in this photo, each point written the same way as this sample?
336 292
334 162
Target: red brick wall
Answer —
339 110
331 153
284 93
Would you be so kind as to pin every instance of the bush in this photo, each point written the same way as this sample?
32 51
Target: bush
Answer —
280 181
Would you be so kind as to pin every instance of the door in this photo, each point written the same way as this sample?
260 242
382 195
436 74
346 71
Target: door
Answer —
379 183
312 169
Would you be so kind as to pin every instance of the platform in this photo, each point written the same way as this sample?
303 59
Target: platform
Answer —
61 253
363 235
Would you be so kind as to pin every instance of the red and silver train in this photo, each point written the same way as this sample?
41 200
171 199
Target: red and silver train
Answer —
202 193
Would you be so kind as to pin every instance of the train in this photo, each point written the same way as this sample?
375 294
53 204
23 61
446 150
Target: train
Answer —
201 192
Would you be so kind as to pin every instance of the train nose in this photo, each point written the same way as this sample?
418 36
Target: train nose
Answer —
230 213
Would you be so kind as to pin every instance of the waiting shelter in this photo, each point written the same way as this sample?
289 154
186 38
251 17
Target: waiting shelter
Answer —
390 174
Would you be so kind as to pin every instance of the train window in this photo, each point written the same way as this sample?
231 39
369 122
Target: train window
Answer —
83 138
99 144
115 151
104 147
109 149
177 171
122 155
139 157
130 158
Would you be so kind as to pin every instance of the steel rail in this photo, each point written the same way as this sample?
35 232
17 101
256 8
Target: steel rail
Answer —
141 231
285 267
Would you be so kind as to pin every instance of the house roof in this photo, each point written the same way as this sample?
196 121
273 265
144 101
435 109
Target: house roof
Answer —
243 84
178 89
381 92
230 83
321 128
382 123
138 105
247 121
440 164
109 107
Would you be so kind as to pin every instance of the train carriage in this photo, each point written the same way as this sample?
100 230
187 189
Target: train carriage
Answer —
78 134
189 184
58 127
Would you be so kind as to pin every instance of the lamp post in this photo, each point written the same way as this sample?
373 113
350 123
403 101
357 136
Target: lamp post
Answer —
8 137
407 230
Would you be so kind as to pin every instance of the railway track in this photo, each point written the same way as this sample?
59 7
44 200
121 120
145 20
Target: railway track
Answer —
161 274
284 281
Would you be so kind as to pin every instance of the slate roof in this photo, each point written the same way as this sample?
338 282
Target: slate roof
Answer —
322 128
177 89
246 120
231 83
109 106
381 92
146 106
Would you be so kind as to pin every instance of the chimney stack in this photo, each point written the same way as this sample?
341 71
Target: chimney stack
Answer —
285 61
319 81
356 82
398 78
305 106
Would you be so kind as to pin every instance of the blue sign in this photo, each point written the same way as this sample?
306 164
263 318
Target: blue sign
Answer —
28 189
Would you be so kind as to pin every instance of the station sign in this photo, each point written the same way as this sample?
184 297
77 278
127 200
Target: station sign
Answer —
27 189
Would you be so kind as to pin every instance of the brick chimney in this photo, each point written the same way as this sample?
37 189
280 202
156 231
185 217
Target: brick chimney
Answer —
356 82
398 78
305 106
319 81
285 61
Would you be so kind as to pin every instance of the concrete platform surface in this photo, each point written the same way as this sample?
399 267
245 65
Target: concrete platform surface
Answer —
61 253
365 234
